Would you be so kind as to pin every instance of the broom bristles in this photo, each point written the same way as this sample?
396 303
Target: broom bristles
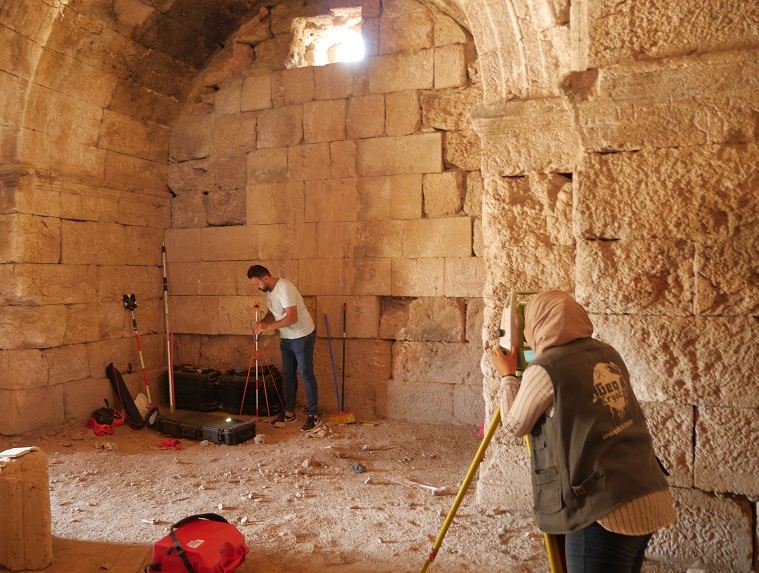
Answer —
342 418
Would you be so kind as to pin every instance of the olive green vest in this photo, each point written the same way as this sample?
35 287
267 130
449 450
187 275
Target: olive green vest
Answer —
595 452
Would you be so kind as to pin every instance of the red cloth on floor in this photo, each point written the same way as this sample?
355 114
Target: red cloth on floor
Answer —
170 445
99 429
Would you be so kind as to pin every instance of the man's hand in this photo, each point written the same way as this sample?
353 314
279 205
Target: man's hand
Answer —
505 364
258 328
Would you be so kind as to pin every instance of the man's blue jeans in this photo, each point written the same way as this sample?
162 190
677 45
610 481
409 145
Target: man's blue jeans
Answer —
597 550
298 355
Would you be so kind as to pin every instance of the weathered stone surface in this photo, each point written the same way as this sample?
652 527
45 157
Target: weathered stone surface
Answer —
32 326
29 239
437 362
712 531
671 426
468 405
342 156
127 170
362 317
237 243
403 113
324 121
662 31
309 162
88 323
256 93
399 72
275 241
237 313
672 359
726 275
418 277
23 369
464 277
425 319
141 245
444 237
16 419
321 276
280 127
65 364
393 197
443 194
720 430
182 245
233 133
369 277
325 240
474 320
203 278
338 81
195 314
365 116
403 402
632 277
449 110
448 31
295 85
401 155
462 150
451 64
48 284
143 211
129 136
375 239
225 206
268 165
191 138
77 246
331 200
475 187
714 186
409 32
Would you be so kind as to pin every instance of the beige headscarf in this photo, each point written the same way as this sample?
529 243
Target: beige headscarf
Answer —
553 318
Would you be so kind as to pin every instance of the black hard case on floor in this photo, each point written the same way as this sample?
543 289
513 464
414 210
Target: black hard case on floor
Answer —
206 426
196 389
270 395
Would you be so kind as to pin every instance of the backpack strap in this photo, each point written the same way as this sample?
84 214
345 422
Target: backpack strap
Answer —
178 546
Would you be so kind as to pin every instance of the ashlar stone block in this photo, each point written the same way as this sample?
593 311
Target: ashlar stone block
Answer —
463 150
422 153
127 170
281 127
67 363
203 278
77 246
342 159
331 200
464 277
191 138
632 277
407 32
195 314
321 277
237 314
437 362
341 81
361 321
423 319
393 197
444 237
234 133
267 165
235 243
712 184
18 404
720 430
324 121
29 239
418 277
365 116
451 63
449 110
323 240
399 72
448 31
182 245
256 92
403 401
308 162
275 241
468 405
369 277
274 203
22 369
32 326
295 85
443 193
403 113
375 239
671 426
49 284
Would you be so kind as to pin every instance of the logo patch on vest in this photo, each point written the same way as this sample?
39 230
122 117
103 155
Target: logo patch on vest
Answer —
611 389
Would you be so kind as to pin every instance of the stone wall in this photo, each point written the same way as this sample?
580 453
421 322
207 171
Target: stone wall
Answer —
357 181
635 188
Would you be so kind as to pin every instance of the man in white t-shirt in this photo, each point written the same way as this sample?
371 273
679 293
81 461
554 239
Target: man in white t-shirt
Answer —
287 313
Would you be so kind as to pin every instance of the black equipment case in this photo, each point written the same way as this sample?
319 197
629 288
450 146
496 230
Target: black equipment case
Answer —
270 395
206 426
196 388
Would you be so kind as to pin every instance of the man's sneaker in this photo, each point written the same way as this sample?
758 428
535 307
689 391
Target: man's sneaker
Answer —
311 423
283 418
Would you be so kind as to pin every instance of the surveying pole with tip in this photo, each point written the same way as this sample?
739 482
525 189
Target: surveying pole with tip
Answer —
130 303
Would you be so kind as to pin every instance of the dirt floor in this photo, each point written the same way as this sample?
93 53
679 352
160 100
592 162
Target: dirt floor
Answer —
295 496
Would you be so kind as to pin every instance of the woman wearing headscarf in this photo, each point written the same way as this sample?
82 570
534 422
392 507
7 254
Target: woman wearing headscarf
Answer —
595 476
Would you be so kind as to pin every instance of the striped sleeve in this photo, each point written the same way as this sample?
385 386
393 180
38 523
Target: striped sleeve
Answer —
524 408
